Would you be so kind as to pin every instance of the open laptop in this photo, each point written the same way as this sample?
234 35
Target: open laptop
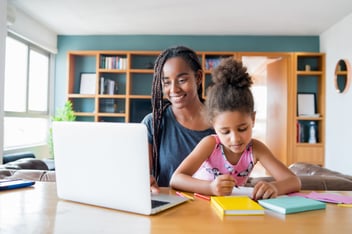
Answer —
106 164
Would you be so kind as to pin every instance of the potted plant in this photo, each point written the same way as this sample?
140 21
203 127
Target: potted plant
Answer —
65 113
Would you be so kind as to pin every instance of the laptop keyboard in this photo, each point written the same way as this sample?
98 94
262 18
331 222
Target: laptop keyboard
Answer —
156 203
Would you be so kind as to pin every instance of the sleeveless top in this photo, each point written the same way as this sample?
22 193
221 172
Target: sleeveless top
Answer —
217 164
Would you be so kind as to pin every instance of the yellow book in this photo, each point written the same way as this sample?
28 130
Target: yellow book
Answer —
236 205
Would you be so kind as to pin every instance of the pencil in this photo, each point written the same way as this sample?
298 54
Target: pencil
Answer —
202 196
344 205
181 194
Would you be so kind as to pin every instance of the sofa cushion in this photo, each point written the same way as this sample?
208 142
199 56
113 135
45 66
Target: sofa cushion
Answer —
13 157
301 168
36 175
312 182
27 163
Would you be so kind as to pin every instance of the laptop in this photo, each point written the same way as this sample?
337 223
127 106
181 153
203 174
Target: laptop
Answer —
106 164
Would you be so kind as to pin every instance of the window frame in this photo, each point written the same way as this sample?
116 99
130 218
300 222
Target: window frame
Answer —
30 113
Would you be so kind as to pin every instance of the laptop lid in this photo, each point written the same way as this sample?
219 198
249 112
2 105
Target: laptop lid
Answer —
106 164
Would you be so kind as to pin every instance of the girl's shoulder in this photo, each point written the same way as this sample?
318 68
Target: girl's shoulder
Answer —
259 149
257 144
210 140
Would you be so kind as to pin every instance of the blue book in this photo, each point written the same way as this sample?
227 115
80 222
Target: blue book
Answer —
288 205
15 183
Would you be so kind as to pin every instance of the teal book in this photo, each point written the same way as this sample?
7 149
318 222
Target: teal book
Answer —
288 205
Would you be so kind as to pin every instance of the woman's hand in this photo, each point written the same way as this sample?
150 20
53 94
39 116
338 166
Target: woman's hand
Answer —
222 185
264 190
154 188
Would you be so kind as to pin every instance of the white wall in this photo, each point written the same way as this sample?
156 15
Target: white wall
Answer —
336 42
29 29
3 5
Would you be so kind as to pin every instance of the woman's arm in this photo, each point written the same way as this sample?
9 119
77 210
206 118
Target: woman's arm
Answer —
153 184
285 180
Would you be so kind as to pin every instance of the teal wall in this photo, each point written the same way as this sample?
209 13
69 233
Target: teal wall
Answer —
154 42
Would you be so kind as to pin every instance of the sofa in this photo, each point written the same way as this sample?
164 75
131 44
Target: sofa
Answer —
313 177
27 168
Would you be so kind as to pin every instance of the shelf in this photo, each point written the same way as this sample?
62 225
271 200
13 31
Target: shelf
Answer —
309 77
309 73
309 118
111 70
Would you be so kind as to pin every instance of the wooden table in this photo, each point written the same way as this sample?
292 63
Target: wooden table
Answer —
38 210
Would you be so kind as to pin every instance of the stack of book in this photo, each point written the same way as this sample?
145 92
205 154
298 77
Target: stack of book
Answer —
288 205
236 205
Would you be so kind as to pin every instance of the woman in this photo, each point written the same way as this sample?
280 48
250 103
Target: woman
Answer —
177 122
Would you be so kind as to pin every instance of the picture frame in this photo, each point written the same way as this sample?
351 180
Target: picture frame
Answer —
306 104
88 83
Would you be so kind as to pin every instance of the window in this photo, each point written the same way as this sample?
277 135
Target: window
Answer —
26 95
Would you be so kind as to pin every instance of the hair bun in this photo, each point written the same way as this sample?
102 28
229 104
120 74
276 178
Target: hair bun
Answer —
231 72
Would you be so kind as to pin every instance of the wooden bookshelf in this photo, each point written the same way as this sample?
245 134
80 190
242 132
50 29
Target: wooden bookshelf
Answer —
289 75
309 78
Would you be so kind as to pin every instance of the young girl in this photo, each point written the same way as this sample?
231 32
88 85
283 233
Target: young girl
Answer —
220 162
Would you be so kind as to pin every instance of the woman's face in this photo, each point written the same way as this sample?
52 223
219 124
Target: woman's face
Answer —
234 129
180 82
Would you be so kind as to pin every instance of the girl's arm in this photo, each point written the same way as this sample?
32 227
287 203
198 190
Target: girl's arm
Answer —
182 178
285 180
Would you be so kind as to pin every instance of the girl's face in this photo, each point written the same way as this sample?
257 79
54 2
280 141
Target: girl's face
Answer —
180 82
234 129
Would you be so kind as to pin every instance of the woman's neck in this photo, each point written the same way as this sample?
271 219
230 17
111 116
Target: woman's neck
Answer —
192 116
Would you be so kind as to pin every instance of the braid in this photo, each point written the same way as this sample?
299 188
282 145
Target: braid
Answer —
158 103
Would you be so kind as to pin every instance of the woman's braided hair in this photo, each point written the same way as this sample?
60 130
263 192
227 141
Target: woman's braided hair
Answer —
158 102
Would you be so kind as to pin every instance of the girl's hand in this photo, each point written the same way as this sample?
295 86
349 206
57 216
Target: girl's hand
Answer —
264 190
222 185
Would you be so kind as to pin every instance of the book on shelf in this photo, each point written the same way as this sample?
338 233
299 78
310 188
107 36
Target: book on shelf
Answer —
102 85
108 86
113 62
236 205
291 204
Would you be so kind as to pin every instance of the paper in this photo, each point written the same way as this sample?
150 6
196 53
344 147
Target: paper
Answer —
326 197
247 191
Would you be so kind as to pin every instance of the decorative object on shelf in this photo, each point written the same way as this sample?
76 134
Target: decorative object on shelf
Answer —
111 86
342 78
306 104
312 133
108 105
88 83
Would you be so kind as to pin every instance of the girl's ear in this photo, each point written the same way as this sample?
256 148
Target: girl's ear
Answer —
253 118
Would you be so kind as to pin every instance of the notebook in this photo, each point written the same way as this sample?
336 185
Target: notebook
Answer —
106 164
236 205
288 205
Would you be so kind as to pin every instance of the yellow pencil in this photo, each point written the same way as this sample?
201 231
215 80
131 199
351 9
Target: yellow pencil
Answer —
181 194
344 205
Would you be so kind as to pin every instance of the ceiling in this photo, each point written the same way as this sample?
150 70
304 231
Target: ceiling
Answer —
186 17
